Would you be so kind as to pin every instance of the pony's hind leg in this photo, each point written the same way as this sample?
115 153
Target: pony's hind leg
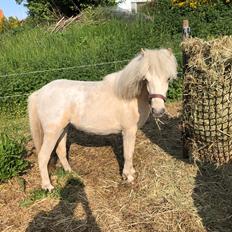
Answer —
129 136
61 152
49 142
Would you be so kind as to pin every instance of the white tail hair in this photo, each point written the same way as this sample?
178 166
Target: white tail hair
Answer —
35 125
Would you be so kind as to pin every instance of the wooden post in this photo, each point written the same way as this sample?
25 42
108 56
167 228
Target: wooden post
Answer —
186 33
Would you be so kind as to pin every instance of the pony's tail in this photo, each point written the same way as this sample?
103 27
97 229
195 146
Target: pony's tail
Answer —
35 124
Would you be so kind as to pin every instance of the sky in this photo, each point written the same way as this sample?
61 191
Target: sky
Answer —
11 8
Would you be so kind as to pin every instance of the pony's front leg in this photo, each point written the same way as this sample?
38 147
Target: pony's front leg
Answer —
129 136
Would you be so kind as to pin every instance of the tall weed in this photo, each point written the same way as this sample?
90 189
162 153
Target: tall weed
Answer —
11 161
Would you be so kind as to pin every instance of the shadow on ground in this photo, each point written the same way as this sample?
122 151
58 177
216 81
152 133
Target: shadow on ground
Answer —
90 140
167 137
166 133
63 217
212 197
212 194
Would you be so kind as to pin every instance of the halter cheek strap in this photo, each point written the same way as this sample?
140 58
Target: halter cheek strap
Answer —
157 96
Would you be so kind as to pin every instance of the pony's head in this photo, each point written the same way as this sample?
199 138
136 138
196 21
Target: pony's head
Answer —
162 69
155 68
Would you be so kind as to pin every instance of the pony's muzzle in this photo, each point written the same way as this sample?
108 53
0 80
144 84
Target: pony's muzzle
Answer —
157 113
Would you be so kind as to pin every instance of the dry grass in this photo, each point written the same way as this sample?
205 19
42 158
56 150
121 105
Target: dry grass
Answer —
169 194
207 99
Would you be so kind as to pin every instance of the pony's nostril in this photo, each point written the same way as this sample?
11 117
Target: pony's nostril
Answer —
158 113
162 111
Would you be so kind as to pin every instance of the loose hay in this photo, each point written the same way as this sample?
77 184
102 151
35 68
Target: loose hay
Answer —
207 107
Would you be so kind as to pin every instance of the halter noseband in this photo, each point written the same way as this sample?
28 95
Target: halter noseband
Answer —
154 95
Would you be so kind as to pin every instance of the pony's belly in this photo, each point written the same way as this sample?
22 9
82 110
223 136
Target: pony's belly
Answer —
96 130
101 127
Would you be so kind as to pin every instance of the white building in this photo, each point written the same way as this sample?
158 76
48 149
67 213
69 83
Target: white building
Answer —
130 5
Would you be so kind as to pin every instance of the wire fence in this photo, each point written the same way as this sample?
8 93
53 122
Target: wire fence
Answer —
59 69
53 70
64 68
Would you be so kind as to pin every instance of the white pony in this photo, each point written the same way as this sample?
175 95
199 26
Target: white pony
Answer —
121 102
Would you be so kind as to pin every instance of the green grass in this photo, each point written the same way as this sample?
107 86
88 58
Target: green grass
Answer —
64 180
81 44
15 124
11 157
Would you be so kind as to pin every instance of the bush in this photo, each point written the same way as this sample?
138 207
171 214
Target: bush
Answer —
196 3
205 21
54 9
11 23
11 161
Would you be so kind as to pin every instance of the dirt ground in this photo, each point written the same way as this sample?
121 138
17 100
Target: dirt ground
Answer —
169 194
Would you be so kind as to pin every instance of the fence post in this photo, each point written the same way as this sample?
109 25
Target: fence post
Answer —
186 33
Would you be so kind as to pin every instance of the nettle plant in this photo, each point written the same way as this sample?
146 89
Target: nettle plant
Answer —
11 160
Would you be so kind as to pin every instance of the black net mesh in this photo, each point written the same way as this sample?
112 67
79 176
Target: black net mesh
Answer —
207 100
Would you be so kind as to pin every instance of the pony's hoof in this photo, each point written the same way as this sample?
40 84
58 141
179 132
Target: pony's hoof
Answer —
128 178
68 169
124 177
47 187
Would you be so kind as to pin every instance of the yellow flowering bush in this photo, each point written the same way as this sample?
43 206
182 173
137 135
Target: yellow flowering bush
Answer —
9 23
13 22
194 3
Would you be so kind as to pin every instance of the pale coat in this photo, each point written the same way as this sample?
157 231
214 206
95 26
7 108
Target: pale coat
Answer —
118 103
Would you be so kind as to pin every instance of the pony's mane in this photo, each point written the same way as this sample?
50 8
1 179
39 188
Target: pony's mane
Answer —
128 84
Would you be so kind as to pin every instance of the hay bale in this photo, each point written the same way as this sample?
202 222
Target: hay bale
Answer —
207 99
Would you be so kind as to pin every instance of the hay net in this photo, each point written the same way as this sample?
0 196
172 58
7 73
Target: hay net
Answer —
207 99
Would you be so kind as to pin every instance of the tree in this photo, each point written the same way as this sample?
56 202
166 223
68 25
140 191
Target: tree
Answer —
47 9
